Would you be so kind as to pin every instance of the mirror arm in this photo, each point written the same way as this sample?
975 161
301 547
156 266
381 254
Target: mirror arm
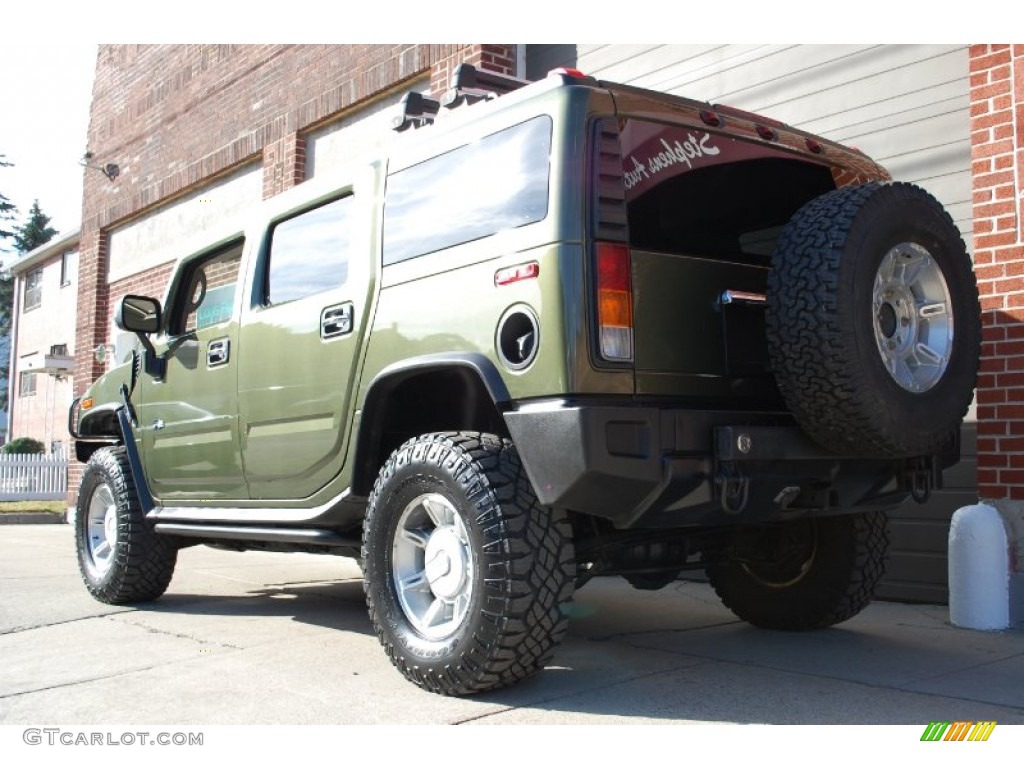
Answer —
154 364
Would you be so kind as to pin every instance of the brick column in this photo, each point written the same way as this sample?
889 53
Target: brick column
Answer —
284 164
997 168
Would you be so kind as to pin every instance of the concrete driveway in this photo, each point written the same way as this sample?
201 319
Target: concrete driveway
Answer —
284 638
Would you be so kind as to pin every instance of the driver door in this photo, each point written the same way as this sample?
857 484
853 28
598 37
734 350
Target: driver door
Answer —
189 419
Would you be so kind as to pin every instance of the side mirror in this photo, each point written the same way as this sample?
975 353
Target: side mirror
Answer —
139 314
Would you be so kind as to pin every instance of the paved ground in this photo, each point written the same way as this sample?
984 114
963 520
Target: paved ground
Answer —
267 638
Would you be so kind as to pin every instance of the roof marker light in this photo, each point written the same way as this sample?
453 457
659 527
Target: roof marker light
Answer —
711 118
567 71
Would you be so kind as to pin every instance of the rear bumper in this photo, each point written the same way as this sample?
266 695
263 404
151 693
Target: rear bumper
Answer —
668 467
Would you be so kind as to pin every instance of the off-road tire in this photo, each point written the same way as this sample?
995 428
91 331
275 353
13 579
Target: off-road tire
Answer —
521 575
825 322
138 564
805 574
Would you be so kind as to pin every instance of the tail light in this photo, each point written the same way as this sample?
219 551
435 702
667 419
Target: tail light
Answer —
614 302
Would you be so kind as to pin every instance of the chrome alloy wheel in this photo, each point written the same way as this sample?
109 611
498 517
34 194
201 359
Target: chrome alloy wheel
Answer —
432 566
101 530
913 317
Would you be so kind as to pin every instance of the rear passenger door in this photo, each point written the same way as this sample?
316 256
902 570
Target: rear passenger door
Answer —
300 339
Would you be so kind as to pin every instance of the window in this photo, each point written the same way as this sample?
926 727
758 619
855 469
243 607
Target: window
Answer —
206 295
33 289
309 252
499 182
695 192
59 350
27 384
67 267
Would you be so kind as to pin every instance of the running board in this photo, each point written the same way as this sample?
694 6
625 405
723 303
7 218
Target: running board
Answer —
304 536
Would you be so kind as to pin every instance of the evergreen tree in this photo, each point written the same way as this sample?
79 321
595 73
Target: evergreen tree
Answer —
35 231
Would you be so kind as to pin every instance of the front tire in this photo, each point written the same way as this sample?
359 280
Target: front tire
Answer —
804 574
466 573
121 558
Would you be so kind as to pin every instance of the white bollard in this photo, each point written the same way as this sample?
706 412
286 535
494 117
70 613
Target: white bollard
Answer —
979 569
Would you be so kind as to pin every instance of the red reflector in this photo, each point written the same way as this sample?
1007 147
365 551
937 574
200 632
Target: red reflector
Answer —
519 272
814 146
613 267
766 133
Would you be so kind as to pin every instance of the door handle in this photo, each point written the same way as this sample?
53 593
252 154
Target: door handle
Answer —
217 352
336 321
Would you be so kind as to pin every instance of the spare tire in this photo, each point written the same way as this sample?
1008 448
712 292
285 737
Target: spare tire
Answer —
873 322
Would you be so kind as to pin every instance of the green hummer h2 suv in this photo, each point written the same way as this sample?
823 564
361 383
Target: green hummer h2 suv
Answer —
558 330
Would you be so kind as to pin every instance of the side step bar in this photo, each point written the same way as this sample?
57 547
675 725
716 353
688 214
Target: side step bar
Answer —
302 536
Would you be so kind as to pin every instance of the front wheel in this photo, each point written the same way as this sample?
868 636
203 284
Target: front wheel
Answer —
121 558
466 573
805 574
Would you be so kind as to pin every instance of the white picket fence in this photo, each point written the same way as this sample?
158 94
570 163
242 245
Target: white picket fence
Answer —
33 477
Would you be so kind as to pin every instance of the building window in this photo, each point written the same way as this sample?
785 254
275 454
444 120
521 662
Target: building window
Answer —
33 289
27 384
67 267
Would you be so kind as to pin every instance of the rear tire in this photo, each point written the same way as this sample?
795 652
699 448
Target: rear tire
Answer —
121 558
466 574
806 574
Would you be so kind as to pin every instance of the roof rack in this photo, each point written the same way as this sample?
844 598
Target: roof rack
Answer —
415 111
469 85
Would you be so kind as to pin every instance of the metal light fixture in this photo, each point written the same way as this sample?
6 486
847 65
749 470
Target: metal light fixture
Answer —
110 170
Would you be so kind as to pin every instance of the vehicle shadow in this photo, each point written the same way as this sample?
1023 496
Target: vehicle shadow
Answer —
336 605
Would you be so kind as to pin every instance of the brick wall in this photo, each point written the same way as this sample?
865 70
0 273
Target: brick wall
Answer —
997 157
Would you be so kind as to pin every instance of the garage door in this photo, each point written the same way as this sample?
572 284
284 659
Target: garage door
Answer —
906 106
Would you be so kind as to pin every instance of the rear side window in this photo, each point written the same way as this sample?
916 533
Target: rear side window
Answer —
499 182
309 252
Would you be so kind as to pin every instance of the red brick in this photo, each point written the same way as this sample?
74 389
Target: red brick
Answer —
1012 379
995 59
1012 477
990 91
987 477
1008 445
991 241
